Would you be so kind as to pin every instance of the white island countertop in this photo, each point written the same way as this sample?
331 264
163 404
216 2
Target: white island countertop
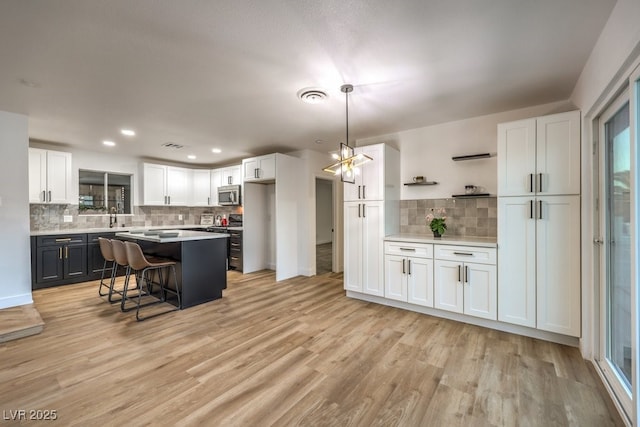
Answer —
487 242
170 236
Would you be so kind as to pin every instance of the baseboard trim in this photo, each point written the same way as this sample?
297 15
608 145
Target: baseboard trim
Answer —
16 300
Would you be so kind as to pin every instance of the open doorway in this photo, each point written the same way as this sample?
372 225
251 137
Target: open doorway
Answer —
325 235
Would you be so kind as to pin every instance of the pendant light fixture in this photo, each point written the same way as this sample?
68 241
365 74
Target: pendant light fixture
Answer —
348 163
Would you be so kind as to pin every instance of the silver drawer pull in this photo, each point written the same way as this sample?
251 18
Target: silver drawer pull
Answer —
463 253
408 249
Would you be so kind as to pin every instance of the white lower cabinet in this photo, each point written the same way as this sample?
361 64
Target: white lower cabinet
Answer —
465 280
409 273
363 247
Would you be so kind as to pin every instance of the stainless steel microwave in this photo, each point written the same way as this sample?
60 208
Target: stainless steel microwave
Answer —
229 195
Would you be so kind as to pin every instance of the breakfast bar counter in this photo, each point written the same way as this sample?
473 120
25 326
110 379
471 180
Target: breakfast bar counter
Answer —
201 260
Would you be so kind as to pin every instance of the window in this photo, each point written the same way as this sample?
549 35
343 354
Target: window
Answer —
103 193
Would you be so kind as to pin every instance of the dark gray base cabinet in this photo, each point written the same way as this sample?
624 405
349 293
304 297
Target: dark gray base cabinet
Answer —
59 259
65 259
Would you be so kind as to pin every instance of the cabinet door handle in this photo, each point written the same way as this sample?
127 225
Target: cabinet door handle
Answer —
364 187
530 183
359 210
408 249
409 264
530 209
169 199
49 195
255 173
459 278
403 266
208 200
466 274
60 252
539 209
359 192
44 196
540 183
463 253
66 252
364 212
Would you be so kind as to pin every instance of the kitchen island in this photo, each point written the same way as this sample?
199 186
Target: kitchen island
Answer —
201 260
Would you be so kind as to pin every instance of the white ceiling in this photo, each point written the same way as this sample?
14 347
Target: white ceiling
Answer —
215 73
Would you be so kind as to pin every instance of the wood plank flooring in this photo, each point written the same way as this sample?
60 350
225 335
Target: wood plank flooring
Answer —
296 352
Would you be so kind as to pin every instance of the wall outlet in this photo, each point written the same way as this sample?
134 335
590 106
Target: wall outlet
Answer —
67 218
180 217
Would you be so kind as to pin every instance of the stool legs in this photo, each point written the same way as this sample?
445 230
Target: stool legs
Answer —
147 281
102 284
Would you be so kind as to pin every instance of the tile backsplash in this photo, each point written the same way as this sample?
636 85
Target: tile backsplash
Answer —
473 217
50 217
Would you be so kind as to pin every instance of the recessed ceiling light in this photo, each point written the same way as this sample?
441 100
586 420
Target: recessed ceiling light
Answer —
216 150
191 157
128 132
319 141
109 143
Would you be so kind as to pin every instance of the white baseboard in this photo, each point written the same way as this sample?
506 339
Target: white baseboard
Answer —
16 300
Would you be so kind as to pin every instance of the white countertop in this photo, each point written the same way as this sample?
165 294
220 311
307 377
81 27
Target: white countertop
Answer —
487 242
168 236
115 229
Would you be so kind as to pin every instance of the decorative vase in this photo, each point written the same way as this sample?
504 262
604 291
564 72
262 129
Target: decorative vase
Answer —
436 234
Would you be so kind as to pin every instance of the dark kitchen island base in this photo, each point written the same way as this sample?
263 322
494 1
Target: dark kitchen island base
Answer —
201 267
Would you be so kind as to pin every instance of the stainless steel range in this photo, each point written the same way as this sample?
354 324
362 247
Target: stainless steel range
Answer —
234 242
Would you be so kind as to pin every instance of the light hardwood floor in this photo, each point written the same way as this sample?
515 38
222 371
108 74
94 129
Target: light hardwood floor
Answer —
296 352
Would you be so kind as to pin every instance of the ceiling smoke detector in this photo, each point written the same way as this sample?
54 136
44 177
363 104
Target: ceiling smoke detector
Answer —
172 145
312 95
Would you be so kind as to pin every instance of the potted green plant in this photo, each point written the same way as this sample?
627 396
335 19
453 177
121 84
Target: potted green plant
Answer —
437 221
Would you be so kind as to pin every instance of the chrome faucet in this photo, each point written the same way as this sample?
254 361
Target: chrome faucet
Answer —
113 219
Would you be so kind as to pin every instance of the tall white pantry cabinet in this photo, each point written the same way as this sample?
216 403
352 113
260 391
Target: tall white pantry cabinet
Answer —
539 223
371 207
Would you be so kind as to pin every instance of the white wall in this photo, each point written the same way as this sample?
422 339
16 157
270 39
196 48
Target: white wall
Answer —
324 211
612 59
616 48
15 250
427 151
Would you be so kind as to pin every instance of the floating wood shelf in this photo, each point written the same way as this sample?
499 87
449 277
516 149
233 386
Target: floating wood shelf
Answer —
471 196
422 183
471 157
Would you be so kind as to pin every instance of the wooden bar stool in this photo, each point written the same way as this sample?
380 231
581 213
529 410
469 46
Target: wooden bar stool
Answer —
144 268
107 253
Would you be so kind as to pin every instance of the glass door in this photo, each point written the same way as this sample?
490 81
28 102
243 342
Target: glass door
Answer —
616 304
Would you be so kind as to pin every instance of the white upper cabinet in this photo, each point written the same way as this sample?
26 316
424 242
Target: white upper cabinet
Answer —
540 156
230 175
166 185
258 169
49 176
201 188
369 177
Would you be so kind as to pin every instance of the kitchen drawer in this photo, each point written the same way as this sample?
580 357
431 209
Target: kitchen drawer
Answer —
93 237
419 250
61 239
478 255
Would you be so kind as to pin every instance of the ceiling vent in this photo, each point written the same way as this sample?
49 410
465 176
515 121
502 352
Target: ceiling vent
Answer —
312 95
172 145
